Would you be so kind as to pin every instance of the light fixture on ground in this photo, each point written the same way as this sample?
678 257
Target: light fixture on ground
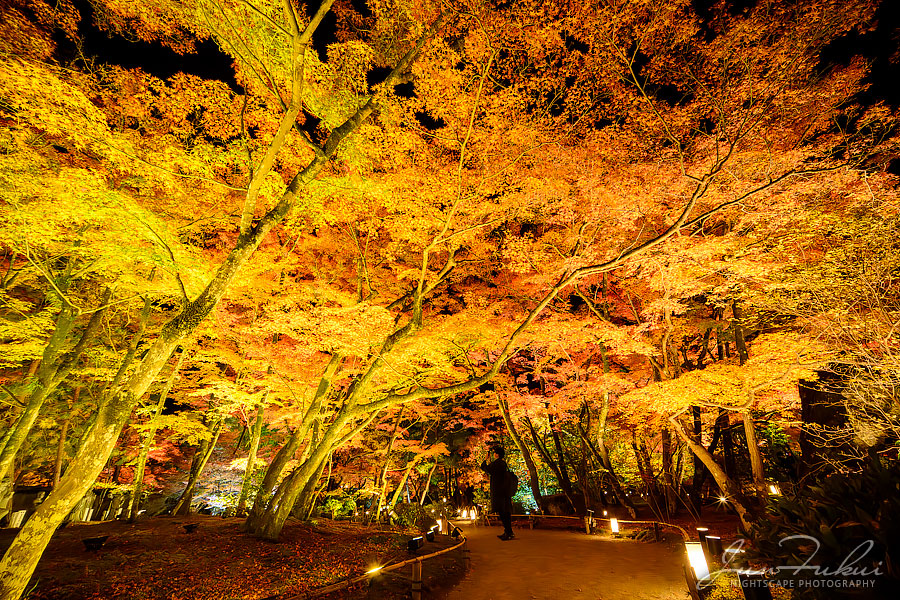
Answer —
714 548
696 569
697 560
754 585
701 533
429 535
414 544
774 490
614 527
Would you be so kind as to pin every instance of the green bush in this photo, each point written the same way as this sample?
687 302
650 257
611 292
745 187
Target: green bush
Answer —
843 514
421 518
338 504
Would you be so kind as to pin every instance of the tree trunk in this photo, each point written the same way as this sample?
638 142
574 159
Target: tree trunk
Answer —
201 457
548 460
382 479
724 424
53 369
272 521
668 468
428 483
23 554
307 501
756 463
399 491
61 443
255 434
563 463
147 442
729 487
523 450
274 471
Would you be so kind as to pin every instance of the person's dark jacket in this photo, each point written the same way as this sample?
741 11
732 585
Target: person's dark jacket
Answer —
500 500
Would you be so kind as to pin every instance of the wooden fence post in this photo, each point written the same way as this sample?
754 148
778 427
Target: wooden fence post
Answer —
417 580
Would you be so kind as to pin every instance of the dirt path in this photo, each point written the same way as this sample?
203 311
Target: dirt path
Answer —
564 565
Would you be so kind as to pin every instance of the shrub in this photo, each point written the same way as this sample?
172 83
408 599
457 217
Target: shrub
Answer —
843 514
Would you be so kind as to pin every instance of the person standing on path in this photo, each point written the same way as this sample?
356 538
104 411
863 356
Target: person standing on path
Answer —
501 501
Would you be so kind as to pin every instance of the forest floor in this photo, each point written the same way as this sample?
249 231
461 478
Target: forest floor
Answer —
156 559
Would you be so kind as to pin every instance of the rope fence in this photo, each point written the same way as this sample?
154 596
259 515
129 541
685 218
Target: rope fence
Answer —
588 521
416 563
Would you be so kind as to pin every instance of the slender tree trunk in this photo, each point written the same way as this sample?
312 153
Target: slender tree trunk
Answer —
728 486
724 424
307 501
602 457
382 478
148 437
61 443
699 469
53 369
399 491
201 457
563 463
428 483
523 450
548 460
274 471
756 463
251 458
272 521
668 468
645 467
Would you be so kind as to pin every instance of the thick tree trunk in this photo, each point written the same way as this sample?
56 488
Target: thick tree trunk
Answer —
201 457
255 434
533 481
23 554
